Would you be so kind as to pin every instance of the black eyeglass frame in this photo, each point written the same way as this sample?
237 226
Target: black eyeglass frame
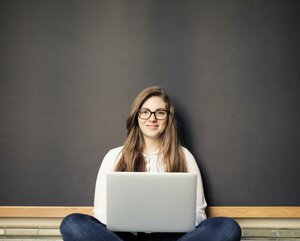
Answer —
153 112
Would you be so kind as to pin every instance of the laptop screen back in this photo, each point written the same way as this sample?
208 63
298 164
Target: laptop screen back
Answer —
151 202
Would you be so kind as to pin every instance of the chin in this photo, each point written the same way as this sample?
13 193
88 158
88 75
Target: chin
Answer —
153 137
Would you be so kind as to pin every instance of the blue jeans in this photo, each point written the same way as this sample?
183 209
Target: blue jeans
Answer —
81 227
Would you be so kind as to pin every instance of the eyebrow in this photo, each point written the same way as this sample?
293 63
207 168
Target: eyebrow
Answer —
144 108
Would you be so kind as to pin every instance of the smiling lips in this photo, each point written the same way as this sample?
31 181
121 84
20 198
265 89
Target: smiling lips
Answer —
152 127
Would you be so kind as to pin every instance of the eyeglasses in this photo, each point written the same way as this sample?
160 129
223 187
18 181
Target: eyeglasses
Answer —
160 114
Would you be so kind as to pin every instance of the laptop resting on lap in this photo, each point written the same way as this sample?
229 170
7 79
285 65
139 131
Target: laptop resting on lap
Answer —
151 202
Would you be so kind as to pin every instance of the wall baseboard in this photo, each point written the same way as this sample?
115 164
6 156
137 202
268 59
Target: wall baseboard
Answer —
212 211
38 232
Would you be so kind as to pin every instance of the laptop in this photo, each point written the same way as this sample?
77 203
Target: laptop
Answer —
151 202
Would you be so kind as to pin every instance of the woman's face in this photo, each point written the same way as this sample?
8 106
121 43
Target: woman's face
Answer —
152 128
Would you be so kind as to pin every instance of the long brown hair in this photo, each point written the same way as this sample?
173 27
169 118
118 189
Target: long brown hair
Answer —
132 159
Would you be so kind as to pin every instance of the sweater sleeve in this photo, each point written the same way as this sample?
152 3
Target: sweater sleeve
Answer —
201 202
106 166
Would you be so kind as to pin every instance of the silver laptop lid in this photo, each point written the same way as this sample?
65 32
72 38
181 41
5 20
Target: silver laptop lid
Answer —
151 202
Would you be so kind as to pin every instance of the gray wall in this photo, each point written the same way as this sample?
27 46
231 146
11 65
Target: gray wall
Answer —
69 71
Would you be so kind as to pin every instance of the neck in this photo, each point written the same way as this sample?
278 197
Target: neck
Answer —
151 145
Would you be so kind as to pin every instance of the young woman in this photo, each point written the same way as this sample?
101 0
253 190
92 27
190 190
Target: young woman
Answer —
152 145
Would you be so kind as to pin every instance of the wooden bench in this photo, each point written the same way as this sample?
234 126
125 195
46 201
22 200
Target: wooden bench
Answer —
35 230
